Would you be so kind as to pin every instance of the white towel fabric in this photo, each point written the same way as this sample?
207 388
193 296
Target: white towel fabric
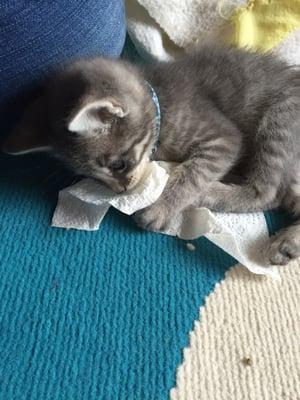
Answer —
84 205
162 29
289 49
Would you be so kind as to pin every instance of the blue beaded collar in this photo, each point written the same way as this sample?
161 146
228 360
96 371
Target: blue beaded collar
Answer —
157 117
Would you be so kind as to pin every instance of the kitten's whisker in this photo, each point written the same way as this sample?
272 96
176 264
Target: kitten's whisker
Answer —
51 175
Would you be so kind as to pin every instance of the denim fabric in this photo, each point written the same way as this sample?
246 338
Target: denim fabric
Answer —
37 35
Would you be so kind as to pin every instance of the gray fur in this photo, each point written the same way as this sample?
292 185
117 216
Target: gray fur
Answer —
230 118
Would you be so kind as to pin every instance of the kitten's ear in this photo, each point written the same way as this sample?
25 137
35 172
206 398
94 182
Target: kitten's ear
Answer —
30 134
95 115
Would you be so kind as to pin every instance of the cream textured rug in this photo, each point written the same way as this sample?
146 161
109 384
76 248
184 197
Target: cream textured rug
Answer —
246 345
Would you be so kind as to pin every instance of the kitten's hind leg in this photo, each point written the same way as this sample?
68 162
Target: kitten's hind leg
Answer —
285 245
274 146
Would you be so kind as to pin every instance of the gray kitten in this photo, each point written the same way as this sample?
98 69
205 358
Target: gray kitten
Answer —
230 118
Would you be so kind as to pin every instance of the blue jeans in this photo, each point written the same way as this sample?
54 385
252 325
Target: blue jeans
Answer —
37 35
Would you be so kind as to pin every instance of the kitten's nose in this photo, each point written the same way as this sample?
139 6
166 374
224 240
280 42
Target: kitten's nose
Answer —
126 182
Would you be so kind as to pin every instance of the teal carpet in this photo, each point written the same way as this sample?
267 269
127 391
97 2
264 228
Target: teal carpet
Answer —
91 315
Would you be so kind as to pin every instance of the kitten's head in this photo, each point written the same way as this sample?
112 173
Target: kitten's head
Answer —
98 117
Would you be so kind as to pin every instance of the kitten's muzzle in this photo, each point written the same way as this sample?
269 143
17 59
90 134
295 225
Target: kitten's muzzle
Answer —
127 183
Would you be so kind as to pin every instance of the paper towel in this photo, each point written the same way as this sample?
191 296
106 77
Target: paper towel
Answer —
243 236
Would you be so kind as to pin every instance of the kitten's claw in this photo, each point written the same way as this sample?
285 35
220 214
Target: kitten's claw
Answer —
283 248
153 218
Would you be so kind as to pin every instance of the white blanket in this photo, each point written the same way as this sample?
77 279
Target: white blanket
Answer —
161 30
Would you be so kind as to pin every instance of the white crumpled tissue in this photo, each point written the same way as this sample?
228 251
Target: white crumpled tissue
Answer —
243 236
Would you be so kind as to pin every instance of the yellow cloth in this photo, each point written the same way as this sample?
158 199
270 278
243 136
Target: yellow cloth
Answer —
263 24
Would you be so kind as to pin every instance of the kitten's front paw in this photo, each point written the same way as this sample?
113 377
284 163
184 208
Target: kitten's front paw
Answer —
153 218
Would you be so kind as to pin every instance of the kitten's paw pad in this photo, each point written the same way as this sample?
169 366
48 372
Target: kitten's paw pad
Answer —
283 248
153 218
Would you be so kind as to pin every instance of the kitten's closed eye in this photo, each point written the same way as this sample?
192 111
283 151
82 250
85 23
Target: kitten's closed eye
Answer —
118 165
